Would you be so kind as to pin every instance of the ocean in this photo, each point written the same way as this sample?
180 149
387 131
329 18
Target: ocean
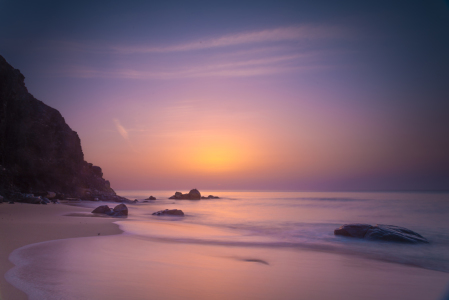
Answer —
248 245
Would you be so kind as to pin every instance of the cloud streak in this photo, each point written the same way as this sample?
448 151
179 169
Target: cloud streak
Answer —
244 54
121 130
252 67
293 33
272 35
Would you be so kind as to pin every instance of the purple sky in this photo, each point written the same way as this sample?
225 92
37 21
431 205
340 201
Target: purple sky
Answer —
278 95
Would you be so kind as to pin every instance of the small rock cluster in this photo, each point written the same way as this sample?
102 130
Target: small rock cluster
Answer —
210 197
119 211
169 212
380 232
39 198
52 197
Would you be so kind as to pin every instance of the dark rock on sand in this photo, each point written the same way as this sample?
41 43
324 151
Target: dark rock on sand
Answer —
119 211
103 209
169 212
33 200
39 152
50 195
192 195
380 232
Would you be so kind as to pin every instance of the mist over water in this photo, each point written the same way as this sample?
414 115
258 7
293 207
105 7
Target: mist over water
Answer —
278 238
307 220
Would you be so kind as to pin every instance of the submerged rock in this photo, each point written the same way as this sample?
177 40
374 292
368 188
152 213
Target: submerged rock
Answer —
353 230
380 232
169 212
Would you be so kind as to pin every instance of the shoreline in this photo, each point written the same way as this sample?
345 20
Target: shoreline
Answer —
155 257
24 224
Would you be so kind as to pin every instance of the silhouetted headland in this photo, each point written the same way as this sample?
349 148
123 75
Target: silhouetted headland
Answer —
40 155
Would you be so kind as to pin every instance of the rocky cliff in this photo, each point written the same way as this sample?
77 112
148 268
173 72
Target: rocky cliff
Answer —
39 152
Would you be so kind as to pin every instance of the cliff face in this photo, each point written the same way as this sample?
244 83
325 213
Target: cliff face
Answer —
38 150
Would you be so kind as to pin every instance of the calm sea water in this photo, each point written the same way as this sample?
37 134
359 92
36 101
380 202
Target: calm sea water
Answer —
282 242
307 220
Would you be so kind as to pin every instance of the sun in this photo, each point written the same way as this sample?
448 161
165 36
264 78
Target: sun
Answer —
216 158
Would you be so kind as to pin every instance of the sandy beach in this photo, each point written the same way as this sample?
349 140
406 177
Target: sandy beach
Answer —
23 224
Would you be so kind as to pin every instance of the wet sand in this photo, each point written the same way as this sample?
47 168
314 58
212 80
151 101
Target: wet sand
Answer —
23 224
170 258
129 266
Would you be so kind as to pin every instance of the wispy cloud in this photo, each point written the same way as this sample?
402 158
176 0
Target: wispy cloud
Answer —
254 53
123 132
271 35
293 33
238 68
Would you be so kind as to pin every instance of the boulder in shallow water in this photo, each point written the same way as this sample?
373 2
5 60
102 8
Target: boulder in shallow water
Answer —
103 209
151 198
380 232
169 212
120 210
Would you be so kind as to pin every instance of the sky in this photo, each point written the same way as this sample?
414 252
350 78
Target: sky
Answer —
244 95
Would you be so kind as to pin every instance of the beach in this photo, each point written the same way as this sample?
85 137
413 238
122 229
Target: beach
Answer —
23 224
243 246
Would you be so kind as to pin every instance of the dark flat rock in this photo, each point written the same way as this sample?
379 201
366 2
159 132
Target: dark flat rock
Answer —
353 230
169 212
380 232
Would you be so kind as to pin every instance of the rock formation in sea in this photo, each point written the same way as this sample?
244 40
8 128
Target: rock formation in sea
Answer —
192 195
39 152
380 232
